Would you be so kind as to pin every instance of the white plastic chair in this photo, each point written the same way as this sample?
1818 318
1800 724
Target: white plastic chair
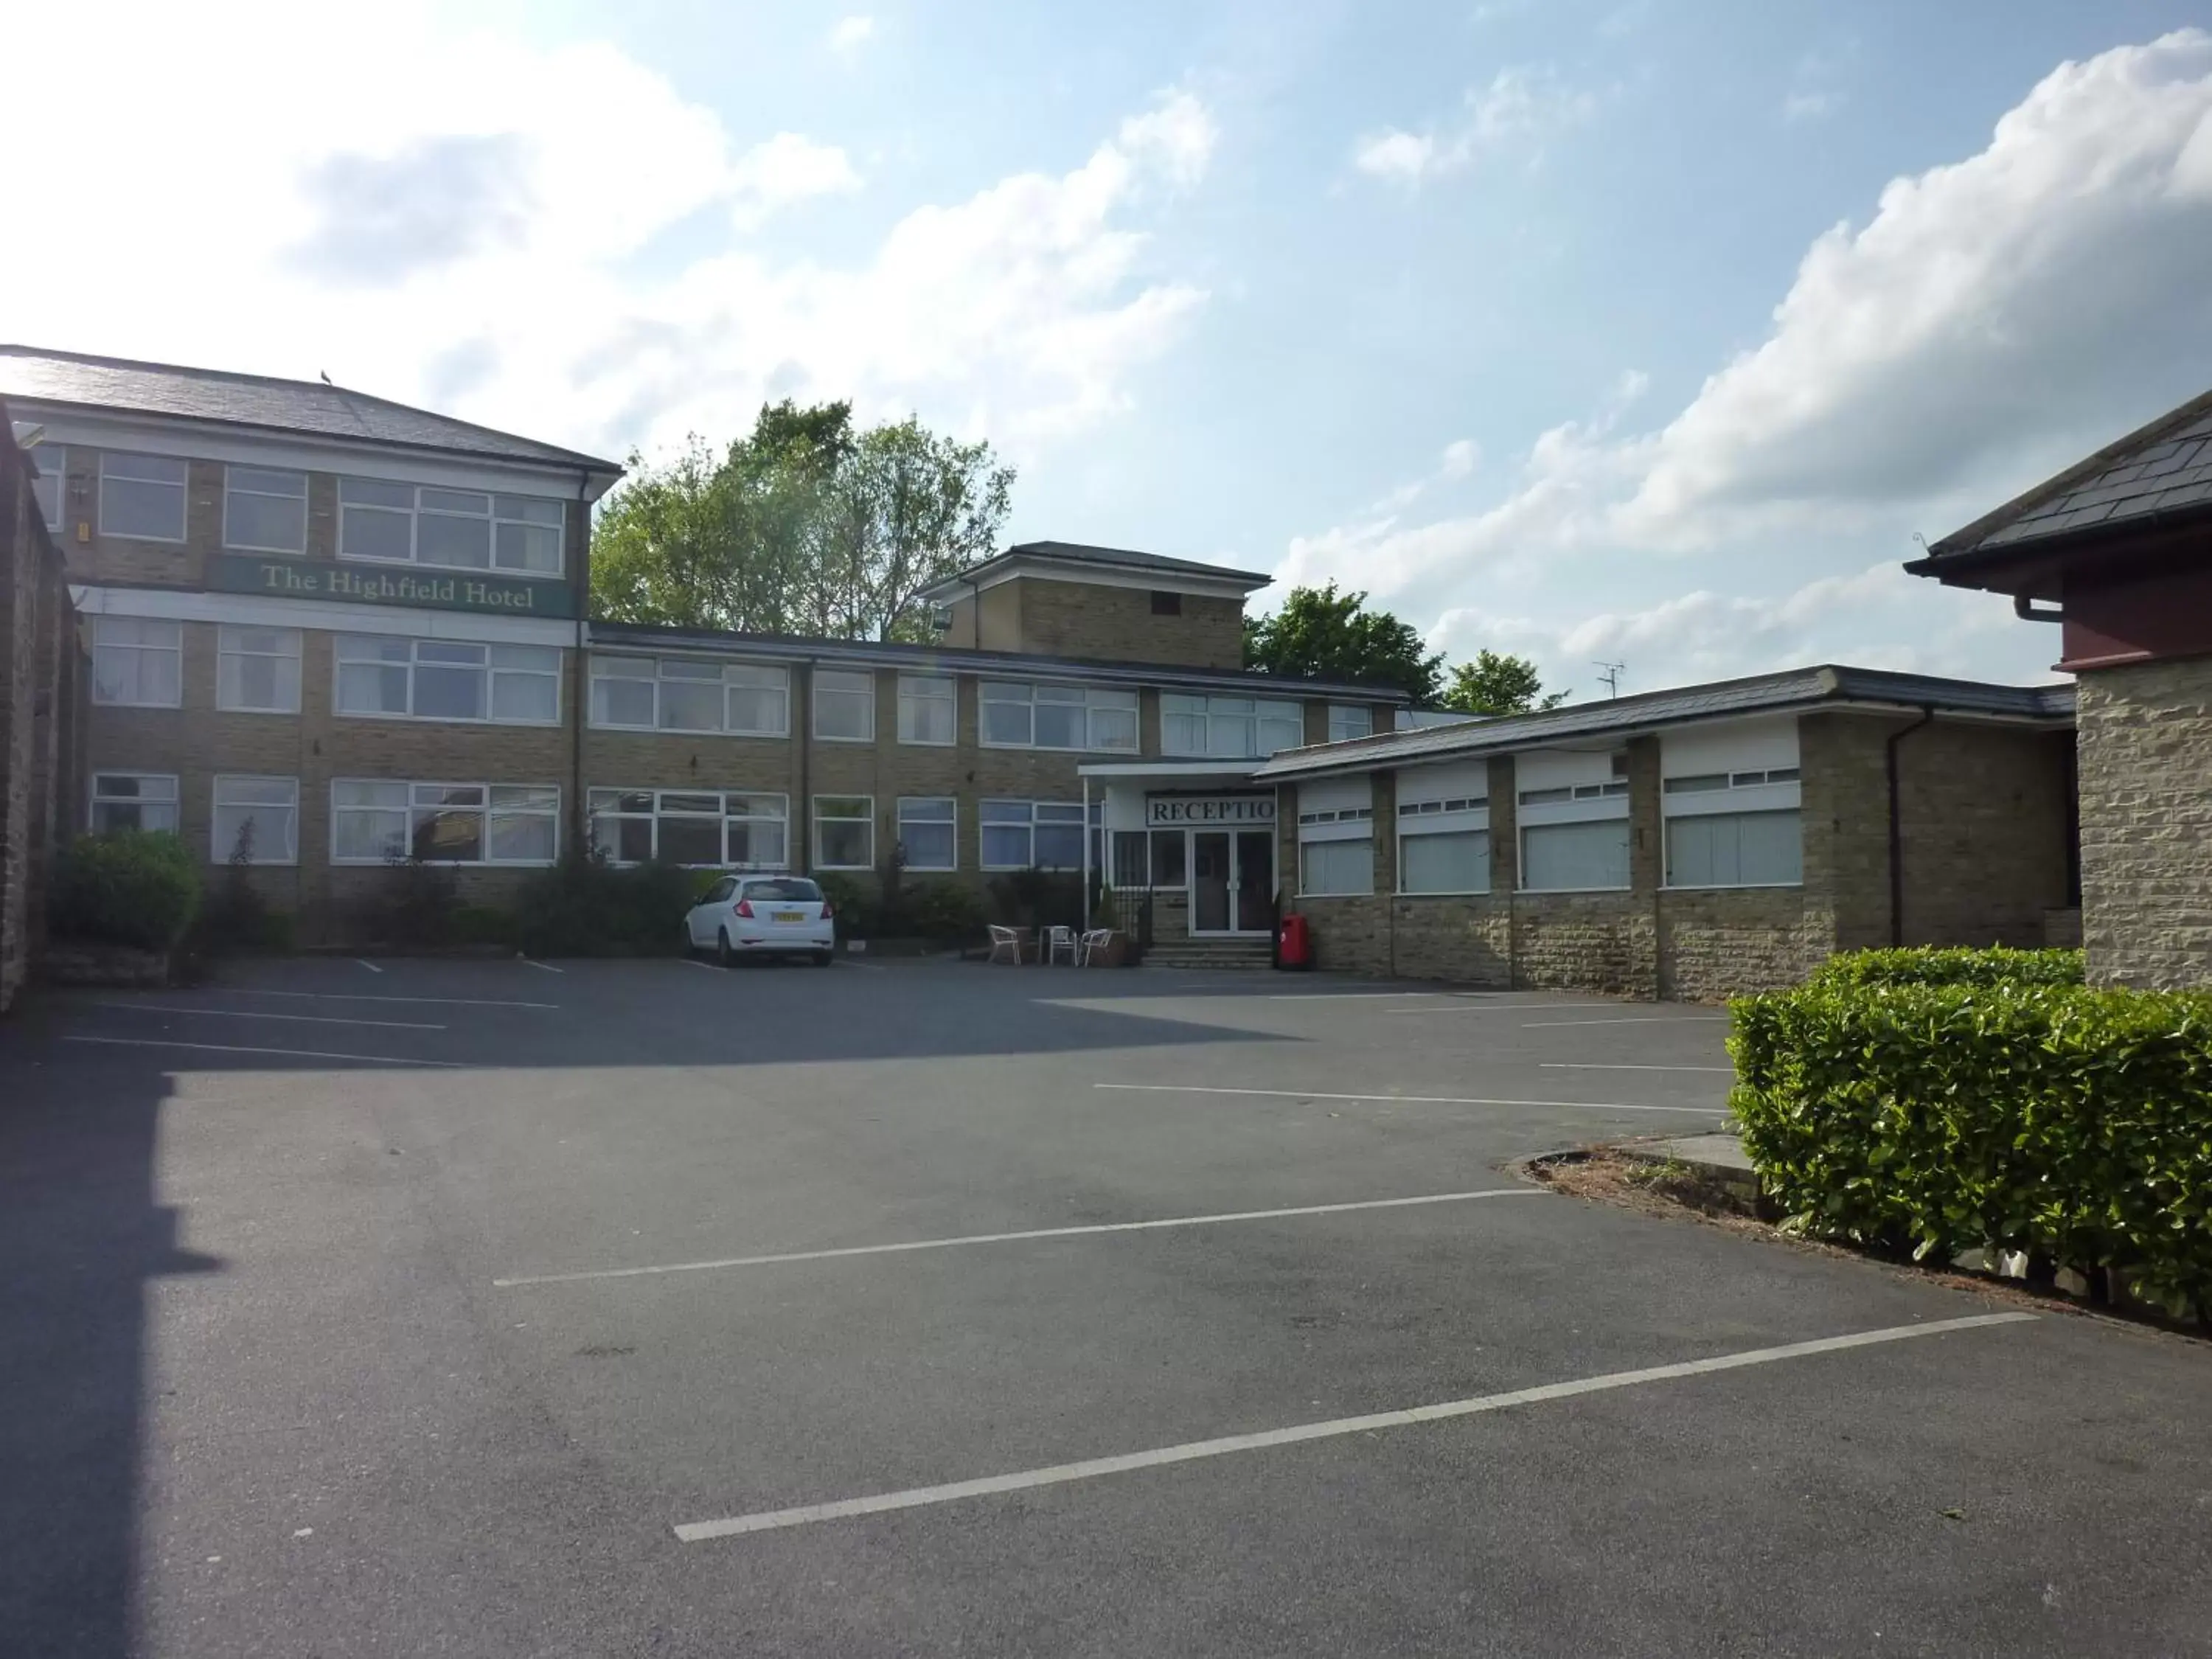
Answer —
1007 939
1096 941
1059 939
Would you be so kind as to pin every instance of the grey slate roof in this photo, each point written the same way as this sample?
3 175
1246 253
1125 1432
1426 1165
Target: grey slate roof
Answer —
1796 690
1118 558
2160 469
308 407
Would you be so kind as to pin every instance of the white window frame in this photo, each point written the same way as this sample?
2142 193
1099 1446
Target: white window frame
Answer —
170 801
1451 800
1332 811
417 802
1742 792
949 819
1064 815
1629 865
231 488
220 847
1666 871
491 667
767 678
503 509
59 479
228 648
1348 721
734 806
1096 702
917 692
817 819
1222 714
138 645
846 693
1306 847
182 484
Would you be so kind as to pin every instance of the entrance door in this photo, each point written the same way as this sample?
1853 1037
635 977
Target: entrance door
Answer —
1210 881
1256 880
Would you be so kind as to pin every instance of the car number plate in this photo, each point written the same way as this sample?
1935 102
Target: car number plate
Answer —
789 915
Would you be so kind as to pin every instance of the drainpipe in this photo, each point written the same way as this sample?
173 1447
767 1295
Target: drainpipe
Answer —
802 734
1896 829
580 689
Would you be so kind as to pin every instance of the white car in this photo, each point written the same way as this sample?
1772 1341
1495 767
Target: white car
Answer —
763 916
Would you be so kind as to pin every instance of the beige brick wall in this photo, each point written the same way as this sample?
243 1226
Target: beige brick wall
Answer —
2146 794
1117 624
1984 812
1722 943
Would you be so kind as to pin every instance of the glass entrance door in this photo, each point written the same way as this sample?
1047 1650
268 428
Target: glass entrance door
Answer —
1210 879
1256 880
1233 881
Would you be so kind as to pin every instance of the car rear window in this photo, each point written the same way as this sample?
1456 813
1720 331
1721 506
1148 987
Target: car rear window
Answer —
790 891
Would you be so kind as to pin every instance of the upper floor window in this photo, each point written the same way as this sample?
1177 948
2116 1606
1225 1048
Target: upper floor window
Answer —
142 497
1166 604
138 662
50 485
452 529
1228 728
844 706
1350 719
675 694
448 680
257 669
1020 716
927 709
264 511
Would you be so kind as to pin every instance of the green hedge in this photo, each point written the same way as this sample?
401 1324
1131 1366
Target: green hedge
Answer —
1931 965
2075 1124
136 887
586 906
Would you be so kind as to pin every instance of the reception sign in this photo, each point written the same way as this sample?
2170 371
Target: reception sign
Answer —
1203 811
436 590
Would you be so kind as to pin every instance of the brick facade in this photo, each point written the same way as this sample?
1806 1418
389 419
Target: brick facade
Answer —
1038 616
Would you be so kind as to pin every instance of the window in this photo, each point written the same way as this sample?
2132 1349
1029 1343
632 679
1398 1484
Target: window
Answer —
714 829
1165 603
142 497
137 663
448 680
451 529
1443 827
1707 783
746 700
50 487
133 800
1021 716
1457 862
1588 856
844 832
1148 858
927 711
264 511
782 890
1022 834
1336 836
1228 728
257 821
1348 720
929 831
1336 867
257 670
372 822
1735 849
844 707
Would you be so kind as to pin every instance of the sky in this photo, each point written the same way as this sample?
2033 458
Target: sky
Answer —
1642 332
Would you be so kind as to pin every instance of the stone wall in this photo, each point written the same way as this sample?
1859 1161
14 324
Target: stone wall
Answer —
1721 942
2146 794
1985 814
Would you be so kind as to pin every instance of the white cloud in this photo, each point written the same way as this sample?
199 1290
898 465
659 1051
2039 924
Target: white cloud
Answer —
1811 105
1461 456
485 222
851 32
1518 110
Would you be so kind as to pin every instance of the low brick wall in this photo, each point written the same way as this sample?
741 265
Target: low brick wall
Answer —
1468 941
1584 942
1722 944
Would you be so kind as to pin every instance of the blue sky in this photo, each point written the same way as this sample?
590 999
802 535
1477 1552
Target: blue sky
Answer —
1641 330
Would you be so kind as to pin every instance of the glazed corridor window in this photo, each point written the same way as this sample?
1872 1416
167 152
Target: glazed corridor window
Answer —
137 663
844 706
448 680
133 800
929 830
927 709
844 832
746 700
1590 856
1348 720
257 821
49 487
1735 849
257 670
375 821
450 529
711 829
264 511
1021 716
1022 834
1228 728
142 497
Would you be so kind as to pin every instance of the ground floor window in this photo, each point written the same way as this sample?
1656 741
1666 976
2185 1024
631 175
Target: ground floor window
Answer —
1590 856
373 821
844 832
929 831
133 800
1022 834
712 829
1735 849
1336 867
1452 861
1150 858
257 821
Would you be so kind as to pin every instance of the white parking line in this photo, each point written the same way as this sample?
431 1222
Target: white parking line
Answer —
243 1049
1592 1065
370 996
1405 1100
256 1013
694 962
1641 1019
543 967
1357 996
695 1532
1032 1233
367 964
1506 1008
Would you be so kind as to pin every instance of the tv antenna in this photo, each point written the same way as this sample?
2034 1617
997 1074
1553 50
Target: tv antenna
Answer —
1610 679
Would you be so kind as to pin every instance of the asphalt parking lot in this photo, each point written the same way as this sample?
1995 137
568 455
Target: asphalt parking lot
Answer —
502 1308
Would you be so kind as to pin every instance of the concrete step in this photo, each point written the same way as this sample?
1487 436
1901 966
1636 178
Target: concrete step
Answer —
1210 953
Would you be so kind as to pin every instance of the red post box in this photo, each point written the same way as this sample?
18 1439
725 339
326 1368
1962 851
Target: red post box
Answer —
1294 946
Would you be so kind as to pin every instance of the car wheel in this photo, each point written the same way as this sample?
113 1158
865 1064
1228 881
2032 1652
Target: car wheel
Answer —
722 947
823 958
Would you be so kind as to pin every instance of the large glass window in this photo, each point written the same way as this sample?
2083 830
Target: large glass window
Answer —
373 821
1590 856
142 497
844 706
1336 867
1017 716
1019 834
714 828
257 670
448 680
1348 720
1228 728
263 511
50 487
138 662
927 709
1453 861
451 529
133 800
749 700
257 821
929 830
1735 849
844 832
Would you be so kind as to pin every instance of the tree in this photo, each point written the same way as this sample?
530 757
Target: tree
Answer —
806 526
1498 682
1320 634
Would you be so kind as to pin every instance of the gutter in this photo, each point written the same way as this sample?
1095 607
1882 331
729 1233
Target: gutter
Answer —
1896 827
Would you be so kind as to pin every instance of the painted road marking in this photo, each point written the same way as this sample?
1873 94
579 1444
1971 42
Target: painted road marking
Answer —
1405 1100
1506 1008
1032 1233
543 967
694 962
367 964
1593 1066
256 1013
1641 1019
243 1049
695 1532
370 996
1359 996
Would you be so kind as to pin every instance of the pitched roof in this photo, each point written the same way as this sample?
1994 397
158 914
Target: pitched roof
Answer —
2155 471
311 407
1124 560
1797 689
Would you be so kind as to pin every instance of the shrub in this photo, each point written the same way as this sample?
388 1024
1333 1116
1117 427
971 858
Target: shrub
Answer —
944 912
1037 898
858 914
584 906
410 906
135 887
237 915
2072 1124
1930 965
